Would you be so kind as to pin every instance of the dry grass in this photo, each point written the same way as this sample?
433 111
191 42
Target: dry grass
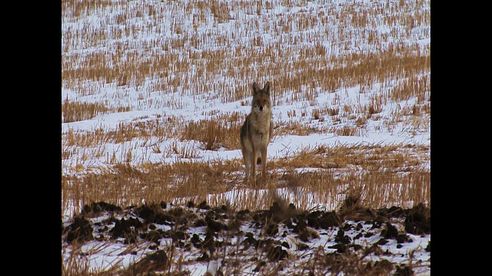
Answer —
213 51
346 131
293 128
168 63
219 132
384 174
415 86
74 111
76 264
77 111
158 128
297 61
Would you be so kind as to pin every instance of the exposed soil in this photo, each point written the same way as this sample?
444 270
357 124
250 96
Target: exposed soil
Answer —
417 220
79 231
352 239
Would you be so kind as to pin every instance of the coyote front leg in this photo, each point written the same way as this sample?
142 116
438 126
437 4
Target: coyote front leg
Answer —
247 163
263 162
253 163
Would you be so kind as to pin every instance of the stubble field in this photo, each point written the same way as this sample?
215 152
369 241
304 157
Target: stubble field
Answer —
154 94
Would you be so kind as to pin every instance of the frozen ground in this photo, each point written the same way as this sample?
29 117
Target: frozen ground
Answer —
150 30
121 34
280 239
377 131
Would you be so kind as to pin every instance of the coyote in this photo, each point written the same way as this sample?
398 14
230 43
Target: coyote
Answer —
256 131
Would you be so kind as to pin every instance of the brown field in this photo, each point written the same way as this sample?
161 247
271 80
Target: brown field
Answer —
120 57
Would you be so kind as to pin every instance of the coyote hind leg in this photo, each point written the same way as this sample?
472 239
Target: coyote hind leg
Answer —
247 165
253 166
263 163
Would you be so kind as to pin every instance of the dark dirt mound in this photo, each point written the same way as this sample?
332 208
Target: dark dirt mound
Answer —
382 241
205 257
281 211
190 204
163 205
213 225
417 220
209 242
97 207
127 229
175 235
152 236
271 229
403 271
180 216
277 253
306 234
156 261
401 238
203 205
154 214
350 202
234 225
278 212
340 247
342 238
249 241
351 209
243 215
390 232
259 265
196 241
382 267
278 233
79 231
325 220
199 222
391 212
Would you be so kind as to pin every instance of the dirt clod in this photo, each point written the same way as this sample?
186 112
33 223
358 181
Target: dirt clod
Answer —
418 220
155 261
403 271
126 229
274 233
203 205
80 230
97 207
277 253
390 232
341 237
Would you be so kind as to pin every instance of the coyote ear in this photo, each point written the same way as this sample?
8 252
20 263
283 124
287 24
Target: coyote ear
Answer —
266 88
256 89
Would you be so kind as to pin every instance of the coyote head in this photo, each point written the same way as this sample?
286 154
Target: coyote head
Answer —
261 98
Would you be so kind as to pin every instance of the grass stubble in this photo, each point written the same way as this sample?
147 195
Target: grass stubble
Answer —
125 62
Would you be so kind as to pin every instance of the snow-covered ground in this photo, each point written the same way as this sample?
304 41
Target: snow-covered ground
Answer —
282 238
149 27
375 132
249 40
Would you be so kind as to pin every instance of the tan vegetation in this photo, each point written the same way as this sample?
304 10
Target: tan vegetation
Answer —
149 55
168 63
386 174
305 55
215 133
75 111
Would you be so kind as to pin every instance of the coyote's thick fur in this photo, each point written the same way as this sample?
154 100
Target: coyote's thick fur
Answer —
256 131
